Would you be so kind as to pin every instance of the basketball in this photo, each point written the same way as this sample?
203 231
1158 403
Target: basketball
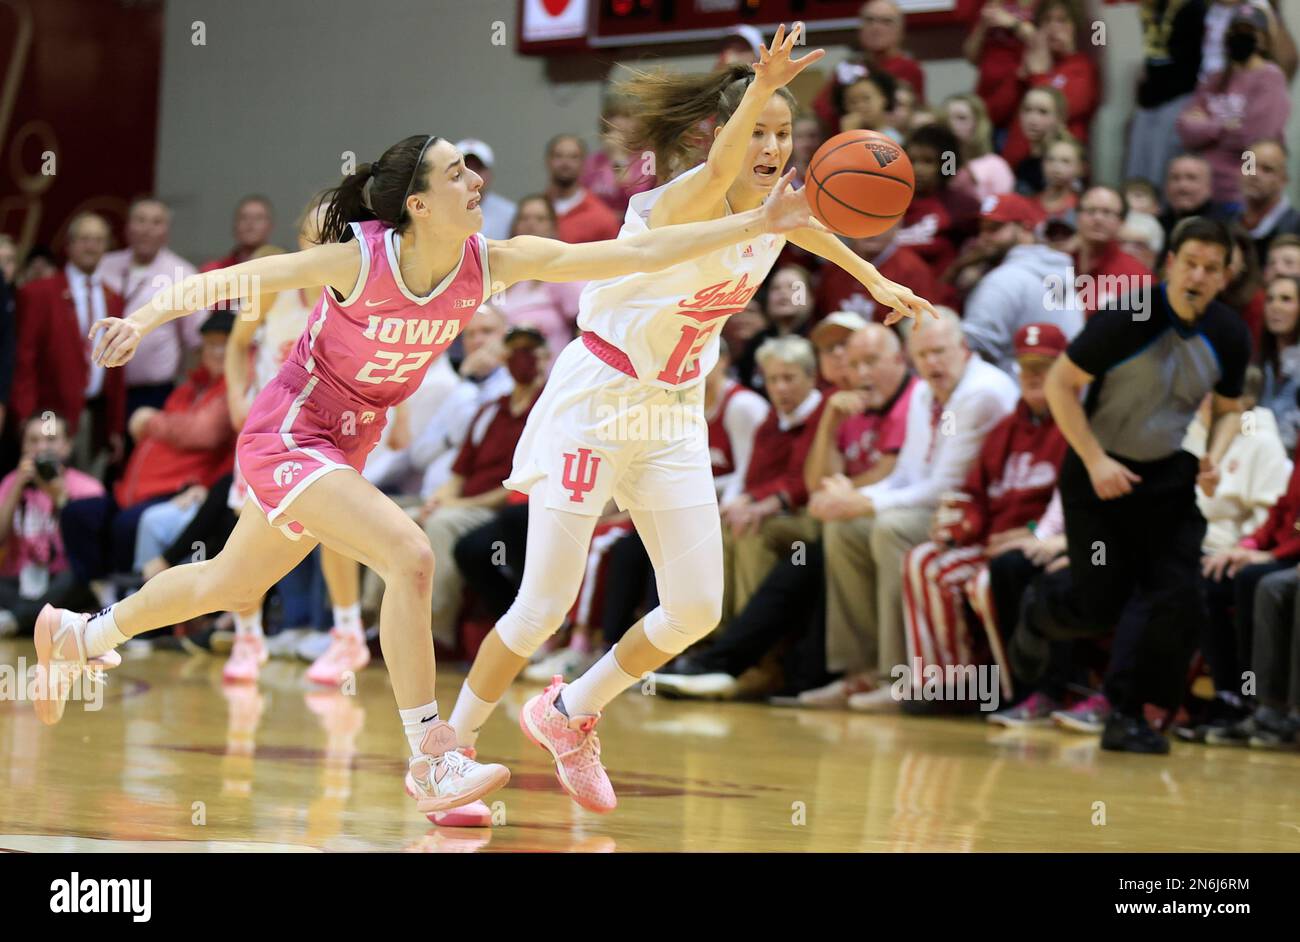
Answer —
859 183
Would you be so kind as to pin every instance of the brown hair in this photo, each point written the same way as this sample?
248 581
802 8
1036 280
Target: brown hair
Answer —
670 108
533 198
379 190
1270 352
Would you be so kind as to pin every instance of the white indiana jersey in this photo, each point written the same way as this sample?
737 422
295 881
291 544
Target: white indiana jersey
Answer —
276 336
668 322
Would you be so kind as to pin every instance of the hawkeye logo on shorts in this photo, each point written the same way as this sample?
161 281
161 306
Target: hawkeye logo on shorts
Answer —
286 472
577 480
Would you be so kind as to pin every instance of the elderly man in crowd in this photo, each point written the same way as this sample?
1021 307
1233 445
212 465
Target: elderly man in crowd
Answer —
867 531
136 272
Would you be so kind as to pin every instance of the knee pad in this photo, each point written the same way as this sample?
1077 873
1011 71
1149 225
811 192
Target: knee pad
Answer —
528 623
674 628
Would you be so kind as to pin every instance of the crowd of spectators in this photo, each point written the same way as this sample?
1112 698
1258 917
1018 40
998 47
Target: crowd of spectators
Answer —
889 496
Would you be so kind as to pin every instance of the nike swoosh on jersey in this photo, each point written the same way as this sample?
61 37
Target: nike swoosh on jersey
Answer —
377 303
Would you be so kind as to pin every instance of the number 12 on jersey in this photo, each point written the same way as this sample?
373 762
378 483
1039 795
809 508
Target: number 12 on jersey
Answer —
684 362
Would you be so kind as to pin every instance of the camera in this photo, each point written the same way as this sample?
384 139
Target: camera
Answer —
48 467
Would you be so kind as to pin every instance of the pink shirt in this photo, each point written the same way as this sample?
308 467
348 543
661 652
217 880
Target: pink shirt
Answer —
864 439
550 307
34 538
375 345
161 353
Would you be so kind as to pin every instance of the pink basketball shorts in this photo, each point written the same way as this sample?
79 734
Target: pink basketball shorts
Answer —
298 431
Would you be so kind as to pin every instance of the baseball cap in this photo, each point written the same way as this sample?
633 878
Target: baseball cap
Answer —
1012 207
1062 225
1249 13
480 149
527 331
221 321
1040 340
845 320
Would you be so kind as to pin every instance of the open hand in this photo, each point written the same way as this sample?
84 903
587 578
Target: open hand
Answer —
774 67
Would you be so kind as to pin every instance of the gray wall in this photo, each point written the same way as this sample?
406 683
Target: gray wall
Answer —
283 87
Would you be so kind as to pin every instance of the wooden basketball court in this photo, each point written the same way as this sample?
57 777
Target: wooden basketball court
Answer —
176 762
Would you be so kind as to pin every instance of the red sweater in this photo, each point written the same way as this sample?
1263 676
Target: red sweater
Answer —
1076 77
1278 534
485 457
902 67
52 363
1012 481
999 67
1111 262
776 465
590 221
840 291
190 442
936 225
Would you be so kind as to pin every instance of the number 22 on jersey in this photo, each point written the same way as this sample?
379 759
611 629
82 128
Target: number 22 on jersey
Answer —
393 366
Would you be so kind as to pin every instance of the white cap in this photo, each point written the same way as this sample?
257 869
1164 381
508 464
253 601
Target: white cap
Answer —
846 320
480 149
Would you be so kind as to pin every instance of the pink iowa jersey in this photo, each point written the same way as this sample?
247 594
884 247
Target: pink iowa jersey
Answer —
359 356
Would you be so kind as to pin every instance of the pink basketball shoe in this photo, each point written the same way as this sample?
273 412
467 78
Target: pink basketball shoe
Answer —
346 653
474 815
246 660
60 637
442 778
574 746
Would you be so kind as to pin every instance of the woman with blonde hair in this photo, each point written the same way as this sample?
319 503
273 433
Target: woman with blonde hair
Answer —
984 173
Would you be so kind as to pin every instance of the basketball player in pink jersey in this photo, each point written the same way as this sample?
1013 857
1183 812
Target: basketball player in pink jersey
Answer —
262 342
404 268
650 340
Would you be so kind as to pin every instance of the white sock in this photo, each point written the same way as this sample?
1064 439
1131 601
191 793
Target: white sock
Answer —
102 634
602 682
416 722
469 714
347 621
248 625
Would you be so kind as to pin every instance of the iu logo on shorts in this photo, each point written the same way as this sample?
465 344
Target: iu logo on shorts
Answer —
286 472
578 480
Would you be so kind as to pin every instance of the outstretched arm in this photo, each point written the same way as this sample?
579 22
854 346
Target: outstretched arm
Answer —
821 241
336 265
701 196
529 258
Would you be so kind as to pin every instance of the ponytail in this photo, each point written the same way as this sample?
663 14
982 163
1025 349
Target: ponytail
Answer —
671 109
378 190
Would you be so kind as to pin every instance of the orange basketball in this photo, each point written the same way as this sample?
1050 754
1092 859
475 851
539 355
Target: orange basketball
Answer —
859 183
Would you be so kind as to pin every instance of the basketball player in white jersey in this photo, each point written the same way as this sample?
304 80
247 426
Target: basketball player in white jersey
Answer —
650 340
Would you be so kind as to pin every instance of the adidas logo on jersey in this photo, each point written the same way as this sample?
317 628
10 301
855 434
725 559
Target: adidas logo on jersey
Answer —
748 253
885 154
465 302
